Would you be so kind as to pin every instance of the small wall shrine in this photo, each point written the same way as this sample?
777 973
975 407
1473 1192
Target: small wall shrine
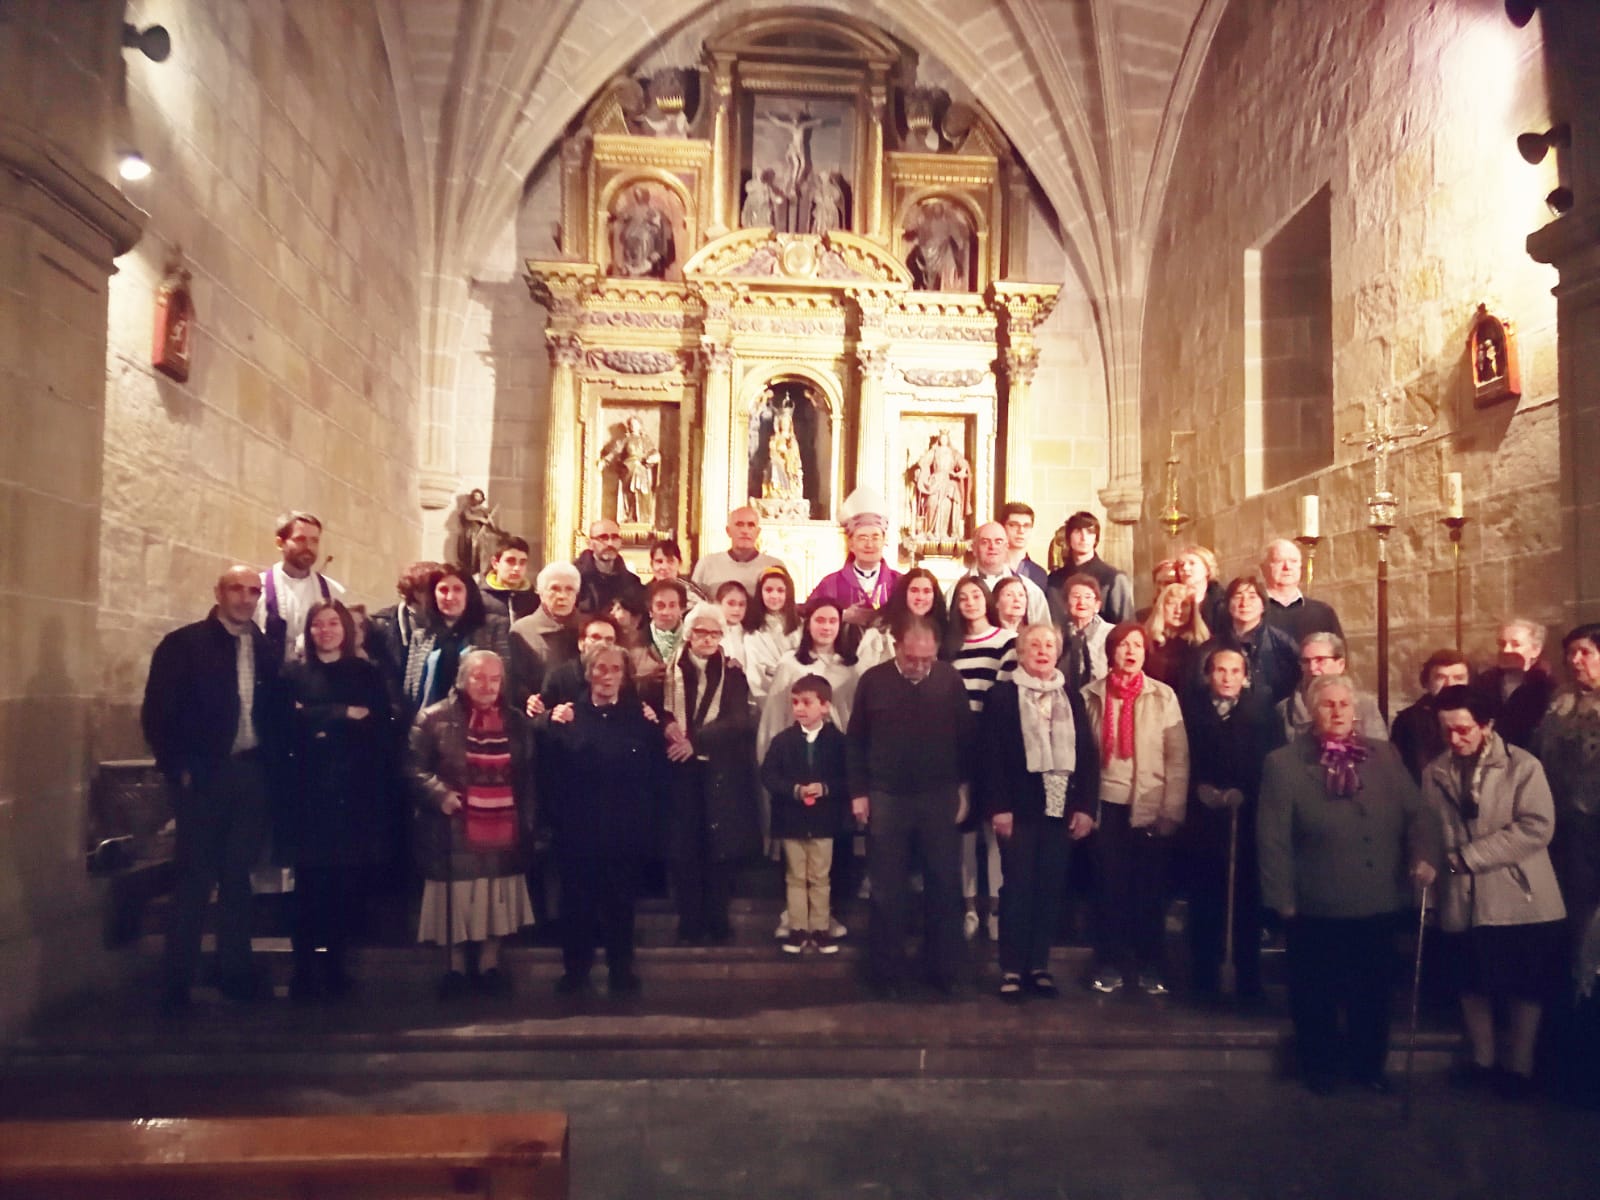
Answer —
785 276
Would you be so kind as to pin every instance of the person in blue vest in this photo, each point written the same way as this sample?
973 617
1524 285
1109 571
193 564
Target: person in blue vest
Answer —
290 586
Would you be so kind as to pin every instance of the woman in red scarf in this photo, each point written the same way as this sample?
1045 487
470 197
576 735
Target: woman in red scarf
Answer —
471 762
1144 782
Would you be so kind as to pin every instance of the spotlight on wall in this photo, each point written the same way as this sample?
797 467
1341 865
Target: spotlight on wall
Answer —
1559 201
155 43
1520 12
1534 146
132 166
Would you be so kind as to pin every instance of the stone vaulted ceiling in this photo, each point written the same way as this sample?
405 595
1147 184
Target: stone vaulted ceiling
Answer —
1091 93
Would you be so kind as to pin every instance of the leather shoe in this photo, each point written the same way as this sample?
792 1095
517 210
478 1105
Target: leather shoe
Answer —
624 983
1378 1085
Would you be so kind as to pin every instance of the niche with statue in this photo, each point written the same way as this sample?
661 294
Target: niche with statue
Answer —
790 453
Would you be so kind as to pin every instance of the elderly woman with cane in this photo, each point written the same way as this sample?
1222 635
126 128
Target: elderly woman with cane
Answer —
1341 829
1499 905
471 766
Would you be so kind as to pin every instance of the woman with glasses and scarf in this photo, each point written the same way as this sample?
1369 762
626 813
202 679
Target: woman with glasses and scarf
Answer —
706 704
1499 905
1342 833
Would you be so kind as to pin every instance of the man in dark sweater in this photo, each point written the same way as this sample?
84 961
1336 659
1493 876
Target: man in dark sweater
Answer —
215 719
1288 608
1080 554
908 750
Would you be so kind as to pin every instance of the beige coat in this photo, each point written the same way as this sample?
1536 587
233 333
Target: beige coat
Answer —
1160 749
1505 850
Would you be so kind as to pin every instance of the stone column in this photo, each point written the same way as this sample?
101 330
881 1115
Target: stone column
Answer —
62 225
1022 308
1571 244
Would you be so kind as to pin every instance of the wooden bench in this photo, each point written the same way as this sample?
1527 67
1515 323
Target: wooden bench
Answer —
500 1155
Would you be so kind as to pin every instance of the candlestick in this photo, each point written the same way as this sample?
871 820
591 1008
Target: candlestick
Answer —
1454 500
1310 517
1455 523
1380 437
1308 546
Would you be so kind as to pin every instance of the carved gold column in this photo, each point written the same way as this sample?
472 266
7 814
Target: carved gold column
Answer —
562 451
1022 307
872 435
878 103
560 286
716 402
724 198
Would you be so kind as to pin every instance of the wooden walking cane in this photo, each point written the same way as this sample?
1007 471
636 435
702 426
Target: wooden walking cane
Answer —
1416 1004
1229 976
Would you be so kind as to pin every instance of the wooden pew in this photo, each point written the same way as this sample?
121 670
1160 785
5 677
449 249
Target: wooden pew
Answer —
507 1156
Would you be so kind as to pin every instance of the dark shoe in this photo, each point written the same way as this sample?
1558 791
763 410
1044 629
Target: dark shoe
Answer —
176 1002
571 984
1043 984
690 939
624 983
1508 1085
1011 988
824 943
887 990
1470 1076
494 982
795 942
720 937
244 989
454 985
306 988
1106 980
1378 1085
1151 983
1321 1085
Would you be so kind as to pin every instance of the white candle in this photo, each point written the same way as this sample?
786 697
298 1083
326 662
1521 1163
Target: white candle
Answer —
1309 527
1454 500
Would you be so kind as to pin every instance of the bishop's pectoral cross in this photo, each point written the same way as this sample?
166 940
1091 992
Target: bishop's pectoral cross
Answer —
1380 437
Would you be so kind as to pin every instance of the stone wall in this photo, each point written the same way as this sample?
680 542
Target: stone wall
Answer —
1408 111
61 226
279 168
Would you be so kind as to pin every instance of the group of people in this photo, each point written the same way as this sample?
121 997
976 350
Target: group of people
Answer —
963 737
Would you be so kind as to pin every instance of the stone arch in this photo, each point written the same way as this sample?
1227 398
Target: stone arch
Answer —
829 390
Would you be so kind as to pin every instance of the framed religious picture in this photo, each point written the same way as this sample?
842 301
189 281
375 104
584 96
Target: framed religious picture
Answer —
799 162
1492 359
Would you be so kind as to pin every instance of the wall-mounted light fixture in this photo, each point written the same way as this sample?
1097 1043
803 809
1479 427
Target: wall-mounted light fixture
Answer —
131 165
1534 146
155 43
1520 12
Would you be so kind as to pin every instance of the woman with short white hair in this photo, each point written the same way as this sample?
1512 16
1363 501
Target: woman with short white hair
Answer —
1037 785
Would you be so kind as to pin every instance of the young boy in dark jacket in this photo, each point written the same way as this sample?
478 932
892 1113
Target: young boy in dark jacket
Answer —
804 771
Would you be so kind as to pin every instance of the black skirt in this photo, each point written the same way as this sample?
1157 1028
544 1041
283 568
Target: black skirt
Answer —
1506 962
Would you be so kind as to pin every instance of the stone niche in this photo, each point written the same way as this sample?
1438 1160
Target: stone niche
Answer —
786 268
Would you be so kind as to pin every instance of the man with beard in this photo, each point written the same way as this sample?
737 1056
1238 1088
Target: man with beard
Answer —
290 587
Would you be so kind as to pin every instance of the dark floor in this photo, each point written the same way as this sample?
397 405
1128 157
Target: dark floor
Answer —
742 1072
1130 1138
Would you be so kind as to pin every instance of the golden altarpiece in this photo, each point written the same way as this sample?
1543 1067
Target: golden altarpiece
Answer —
784 278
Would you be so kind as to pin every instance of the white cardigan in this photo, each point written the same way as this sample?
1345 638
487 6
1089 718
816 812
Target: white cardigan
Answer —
1160 749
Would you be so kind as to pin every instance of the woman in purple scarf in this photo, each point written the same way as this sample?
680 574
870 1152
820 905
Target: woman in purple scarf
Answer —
1343 834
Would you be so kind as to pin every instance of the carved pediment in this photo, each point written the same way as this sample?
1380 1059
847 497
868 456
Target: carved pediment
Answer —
836 259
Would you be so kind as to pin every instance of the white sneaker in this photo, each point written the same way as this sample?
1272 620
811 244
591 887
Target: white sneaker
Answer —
783 926
837 929
994 927
969 925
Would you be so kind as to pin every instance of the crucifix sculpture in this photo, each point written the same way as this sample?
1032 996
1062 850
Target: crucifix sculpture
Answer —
1380 437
